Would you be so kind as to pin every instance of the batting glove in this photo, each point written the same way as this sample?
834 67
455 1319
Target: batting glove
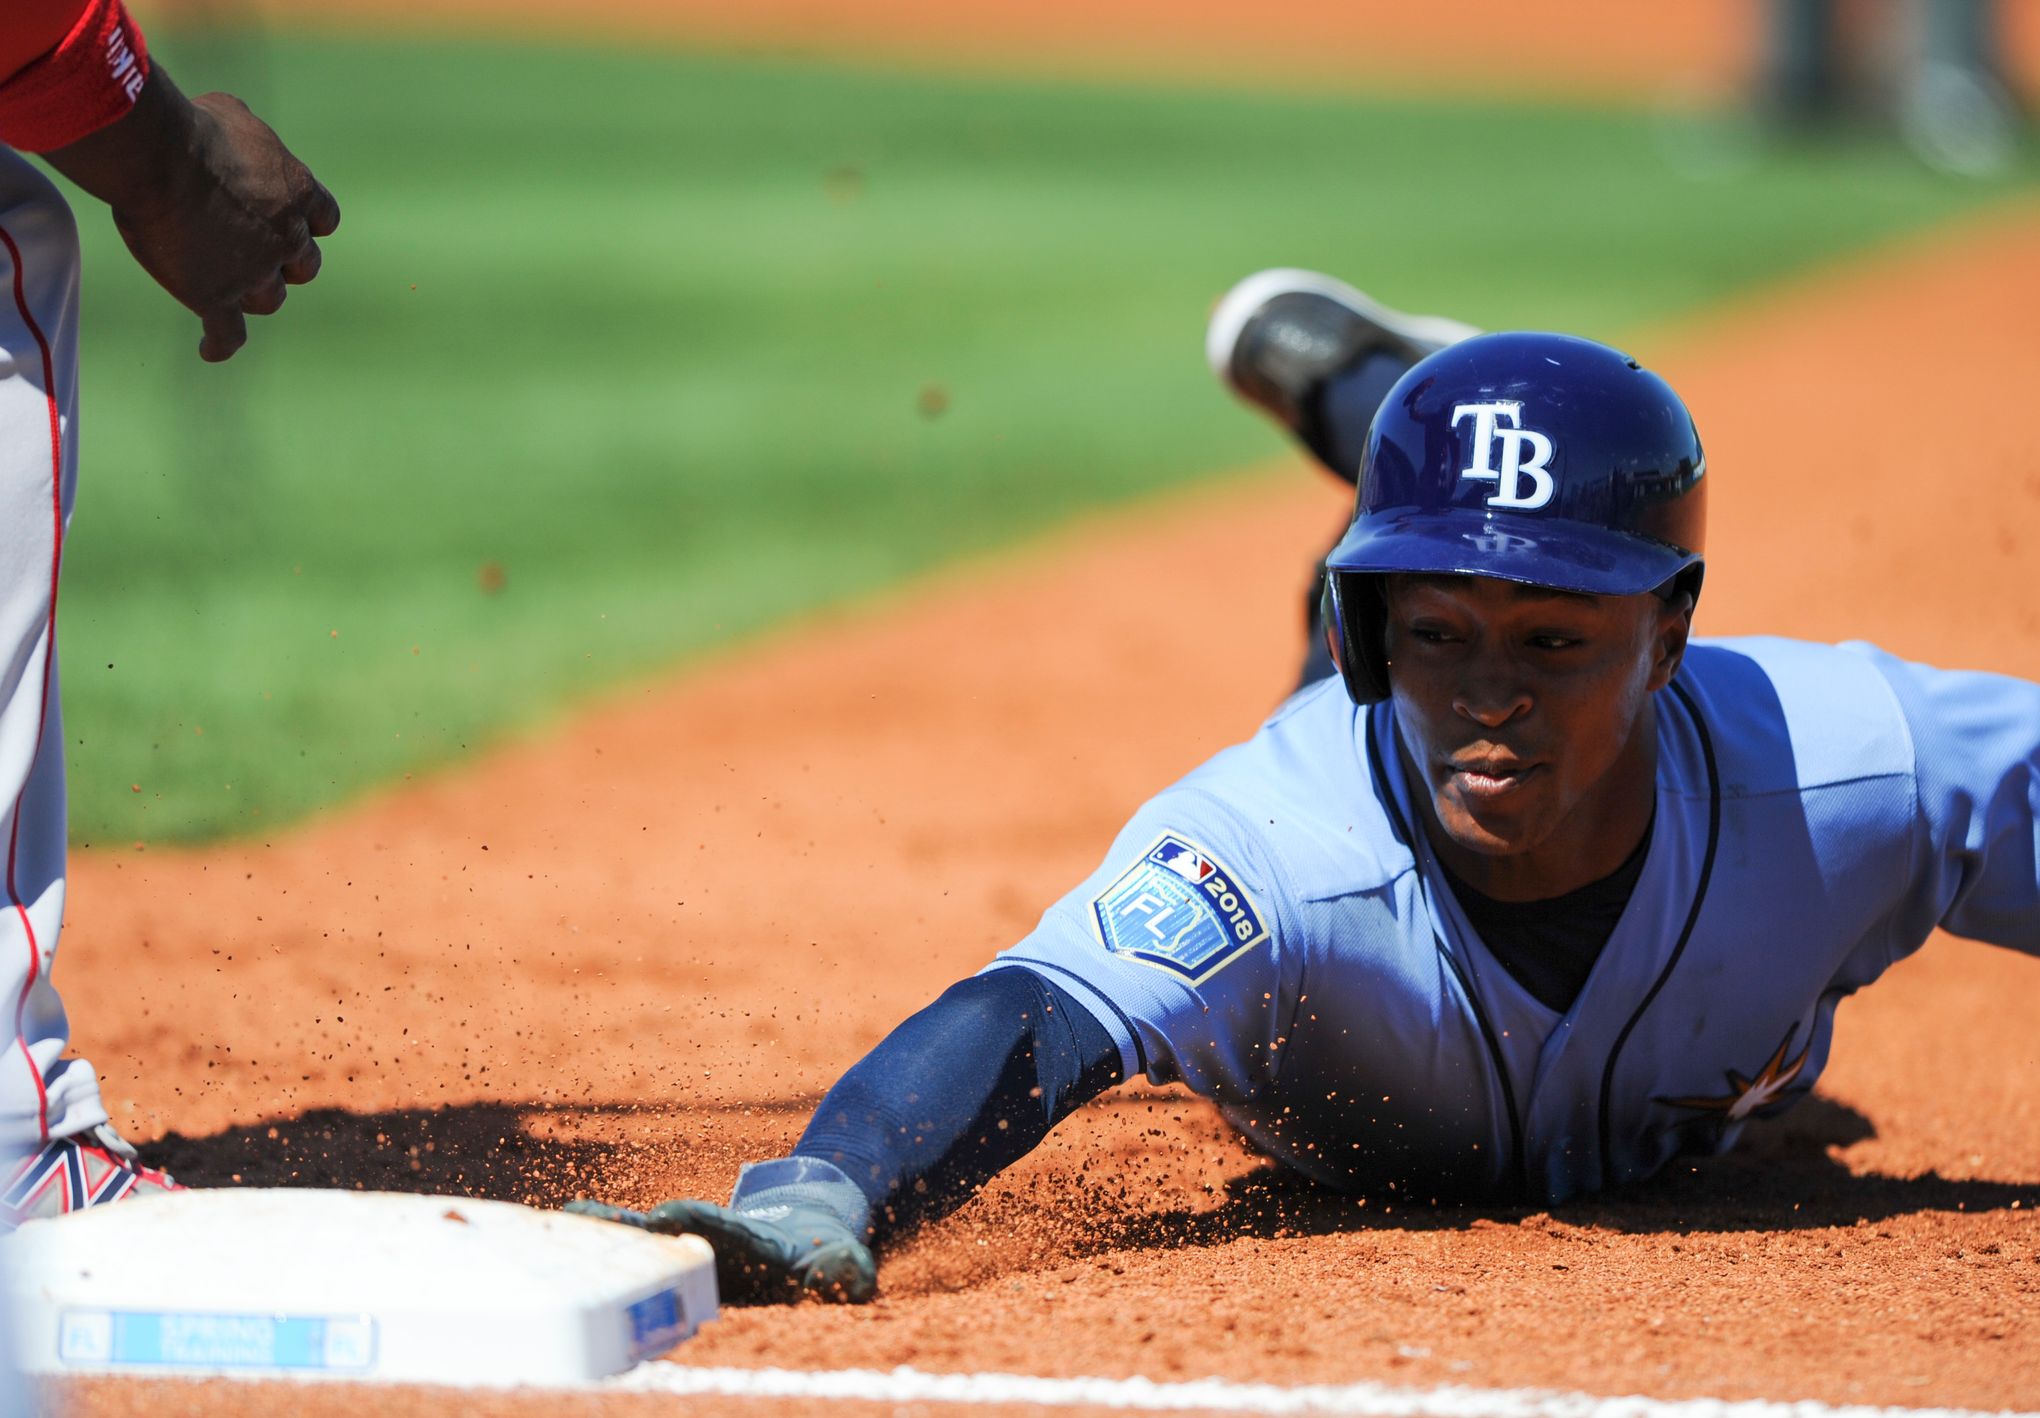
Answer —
793 1228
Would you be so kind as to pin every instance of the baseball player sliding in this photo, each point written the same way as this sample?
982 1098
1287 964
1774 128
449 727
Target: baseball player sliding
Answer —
1477 911
219 212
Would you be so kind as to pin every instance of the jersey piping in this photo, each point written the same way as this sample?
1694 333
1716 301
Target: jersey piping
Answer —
20 908
1518 1160
1606 1128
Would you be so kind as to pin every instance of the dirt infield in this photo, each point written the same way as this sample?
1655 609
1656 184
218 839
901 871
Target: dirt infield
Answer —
1603 48
626 957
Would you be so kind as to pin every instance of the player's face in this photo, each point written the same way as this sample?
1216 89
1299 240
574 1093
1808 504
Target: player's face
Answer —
1527 714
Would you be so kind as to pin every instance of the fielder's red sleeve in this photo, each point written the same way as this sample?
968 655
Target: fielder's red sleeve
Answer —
34 28
56 95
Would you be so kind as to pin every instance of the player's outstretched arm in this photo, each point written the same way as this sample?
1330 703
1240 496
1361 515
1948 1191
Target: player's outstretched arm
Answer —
210 201
953 1096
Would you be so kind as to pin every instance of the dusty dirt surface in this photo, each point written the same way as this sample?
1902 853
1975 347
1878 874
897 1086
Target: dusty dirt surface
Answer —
1598 48
623 958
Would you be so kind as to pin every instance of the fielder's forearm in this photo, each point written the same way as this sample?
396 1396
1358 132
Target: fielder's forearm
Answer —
141 162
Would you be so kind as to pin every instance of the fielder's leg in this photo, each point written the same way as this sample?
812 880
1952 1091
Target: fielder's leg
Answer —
1955 106
1802 73
44 1097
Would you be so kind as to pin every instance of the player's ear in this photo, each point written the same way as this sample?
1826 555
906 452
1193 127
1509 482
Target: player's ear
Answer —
1673 629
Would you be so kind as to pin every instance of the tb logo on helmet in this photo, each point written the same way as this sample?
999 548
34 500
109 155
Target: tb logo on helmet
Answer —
1488 430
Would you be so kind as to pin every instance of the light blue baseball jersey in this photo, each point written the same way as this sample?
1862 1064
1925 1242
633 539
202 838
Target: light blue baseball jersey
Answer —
1273 931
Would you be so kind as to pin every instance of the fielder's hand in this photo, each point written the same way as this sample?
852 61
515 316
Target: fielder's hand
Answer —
775 1253
211 203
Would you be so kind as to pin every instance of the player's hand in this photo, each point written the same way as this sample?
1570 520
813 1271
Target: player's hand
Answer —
211 203
775 1254
236 229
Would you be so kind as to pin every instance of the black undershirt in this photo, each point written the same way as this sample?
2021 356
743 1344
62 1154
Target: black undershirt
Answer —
1550 946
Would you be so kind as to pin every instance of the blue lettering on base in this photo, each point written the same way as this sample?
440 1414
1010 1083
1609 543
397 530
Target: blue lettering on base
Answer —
1178 909
171 1339
657 1323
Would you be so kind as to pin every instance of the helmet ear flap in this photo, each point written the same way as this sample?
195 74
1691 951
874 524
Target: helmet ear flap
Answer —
1687 582
1355 620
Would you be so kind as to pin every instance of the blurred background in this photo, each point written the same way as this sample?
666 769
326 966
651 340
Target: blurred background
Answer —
654 323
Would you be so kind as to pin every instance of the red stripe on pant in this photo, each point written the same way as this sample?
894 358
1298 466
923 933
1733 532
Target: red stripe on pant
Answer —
42 1097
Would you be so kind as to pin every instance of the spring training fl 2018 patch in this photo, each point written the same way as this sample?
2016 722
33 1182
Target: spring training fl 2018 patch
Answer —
1178 908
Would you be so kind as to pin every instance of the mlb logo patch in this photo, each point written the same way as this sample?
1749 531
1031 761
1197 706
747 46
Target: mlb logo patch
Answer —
1184 860
1178 909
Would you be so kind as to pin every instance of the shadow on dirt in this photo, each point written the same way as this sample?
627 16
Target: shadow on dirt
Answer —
536 1153
1785 1175
1788 1174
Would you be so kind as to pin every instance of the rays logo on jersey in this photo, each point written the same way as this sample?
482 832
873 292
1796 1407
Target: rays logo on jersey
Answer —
1178 909
1746 1097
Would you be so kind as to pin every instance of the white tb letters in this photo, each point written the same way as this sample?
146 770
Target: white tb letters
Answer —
1489 428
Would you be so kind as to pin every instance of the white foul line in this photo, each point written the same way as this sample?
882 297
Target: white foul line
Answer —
1364 1400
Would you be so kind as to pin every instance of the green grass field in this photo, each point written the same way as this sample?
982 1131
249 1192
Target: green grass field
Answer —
645 338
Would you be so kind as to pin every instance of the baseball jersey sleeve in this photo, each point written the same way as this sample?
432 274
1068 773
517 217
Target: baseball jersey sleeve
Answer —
1177 944
68 68
33 29
1976 749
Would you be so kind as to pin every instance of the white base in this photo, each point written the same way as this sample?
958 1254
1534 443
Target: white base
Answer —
352 1285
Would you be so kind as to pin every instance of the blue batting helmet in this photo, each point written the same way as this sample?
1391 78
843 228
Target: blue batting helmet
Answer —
1545 459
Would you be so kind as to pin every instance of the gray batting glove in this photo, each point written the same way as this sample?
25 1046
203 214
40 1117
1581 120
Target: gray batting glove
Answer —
794 1227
